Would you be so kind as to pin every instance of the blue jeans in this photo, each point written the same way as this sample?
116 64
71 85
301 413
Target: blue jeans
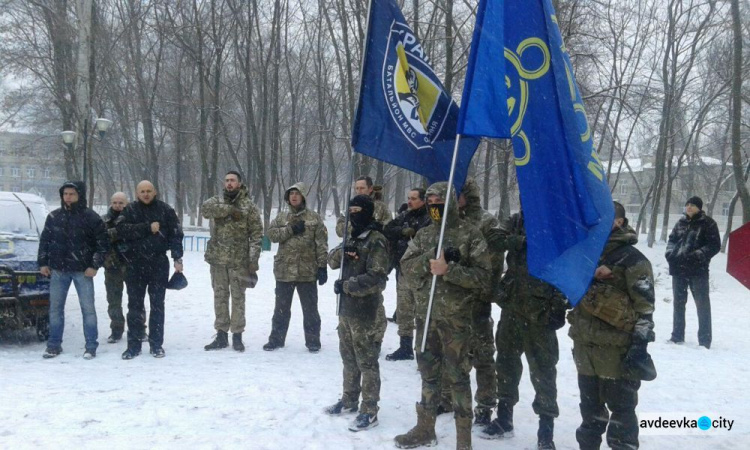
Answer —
699 288
58 293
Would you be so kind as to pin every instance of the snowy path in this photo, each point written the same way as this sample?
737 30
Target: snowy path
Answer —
271 400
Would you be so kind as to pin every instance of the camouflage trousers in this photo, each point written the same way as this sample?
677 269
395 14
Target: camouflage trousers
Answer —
515 337
359 345
405 308
445 360
482 357
225 281
114 282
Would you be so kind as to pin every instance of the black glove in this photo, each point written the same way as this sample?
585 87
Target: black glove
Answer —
322 276
377 226
638 364
298 227
350 248
556 319
452 254
338 287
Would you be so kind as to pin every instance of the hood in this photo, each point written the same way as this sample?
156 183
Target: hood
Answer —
241 192
471 192
302 188
80 187
619 237
441 189
377 192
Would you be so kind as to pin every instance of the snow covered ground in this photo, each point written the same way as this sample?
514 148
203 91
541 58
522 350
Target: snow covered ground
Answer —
271 400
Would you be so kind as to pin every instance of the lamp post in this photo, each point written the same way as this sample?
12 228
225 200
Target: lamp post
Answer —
69 137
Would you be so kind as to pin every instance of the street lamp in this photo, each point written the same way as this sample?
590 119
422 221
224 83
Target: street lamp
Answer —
102 125
69 137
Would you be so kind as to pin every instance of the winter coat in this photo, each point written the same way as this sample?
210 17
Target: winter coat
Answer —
112 260
458 289
692 244
600 344
74 239
236 230
415 220
364 277
299 255
134 228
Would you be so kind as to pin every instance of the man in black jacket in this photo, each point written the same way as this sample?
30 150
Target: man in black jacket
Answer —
400 231
149 228
693 242
71 249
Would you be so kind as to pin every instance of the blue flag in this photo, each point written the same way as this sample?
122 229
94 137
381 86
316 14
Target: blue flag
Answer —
518 58
404 115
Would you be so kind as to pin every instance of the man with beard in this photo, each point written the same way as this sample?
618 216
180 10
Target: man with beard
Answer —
400 231
232 252
149 228
114 268
300 261
361 314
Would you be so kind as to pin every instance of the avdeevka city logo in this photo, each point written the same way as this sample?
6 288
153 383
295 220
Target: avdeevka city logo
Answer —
415 98
704 423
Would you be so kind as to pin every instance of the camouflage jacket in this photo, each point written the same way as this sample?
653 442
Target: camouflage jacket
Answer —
236 230
112 259
518 292
364 277
486 222
299 256
381 215
632 275
461 286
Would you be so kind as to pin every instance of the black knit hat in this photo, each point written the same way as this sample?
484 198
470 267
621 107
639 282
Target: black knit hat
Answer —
695 200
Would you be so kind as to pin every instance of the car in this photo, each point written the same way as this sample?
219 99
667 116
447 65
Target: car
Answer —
24 292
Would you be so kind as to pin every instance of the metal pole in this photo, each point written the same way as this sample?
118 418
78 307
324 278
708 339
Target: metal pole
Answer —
440 240
351 160
85 147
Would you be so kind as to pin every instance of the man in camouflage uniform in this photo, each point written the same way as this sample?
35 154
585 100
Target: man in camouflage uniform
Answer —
299 261
400 231
364 186
532 312
361 315
611 328
463 272
232 252
114 269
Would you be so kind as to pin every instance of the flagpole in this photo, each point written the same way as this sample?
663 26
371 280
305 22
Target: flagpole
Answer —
440 240
351 159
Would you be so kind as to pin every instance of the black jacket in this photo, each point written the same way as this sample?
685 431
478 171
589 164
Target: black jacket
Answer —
73 239
692 244
417 219
112 260
134 228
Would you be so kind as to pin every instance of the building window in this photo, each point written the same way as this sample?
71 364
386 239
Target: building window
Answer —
16 188
46 173
725 209
15 172
31 172
623 186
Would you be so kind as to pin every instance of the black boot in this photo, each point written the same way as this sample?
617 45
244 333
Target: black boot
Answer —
220 342
545 433
502 426
482 417
237 342
404 352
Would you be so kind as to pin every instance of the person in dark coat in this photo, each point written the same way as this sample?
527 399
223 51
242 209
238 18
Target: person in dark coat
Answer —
149 228
114 269
693 242
71 250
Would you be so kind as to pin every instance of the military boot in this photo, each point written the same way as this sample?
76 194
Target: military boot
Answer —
404 352
220 342
482 417
463 433
545 433
423 434
237 342
502 426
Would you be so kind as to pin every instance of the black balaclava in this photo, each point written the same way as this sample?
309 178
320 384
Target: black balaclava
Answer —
363 218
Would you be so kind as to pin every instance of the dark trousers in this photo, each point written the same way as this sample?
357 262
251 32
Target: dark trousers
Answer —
114 281
699 287
308 298
152 276
599 397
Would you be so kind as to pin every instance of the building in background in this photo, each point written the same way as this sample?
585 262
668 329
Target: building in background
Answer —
31 163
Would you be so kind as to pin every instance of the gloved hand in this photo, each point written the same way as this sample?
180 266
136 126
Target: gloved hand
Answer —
236 214
350 248
298 227
556 319
338 287
638 364
452 254
112 233
377 226
408 232
322 276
